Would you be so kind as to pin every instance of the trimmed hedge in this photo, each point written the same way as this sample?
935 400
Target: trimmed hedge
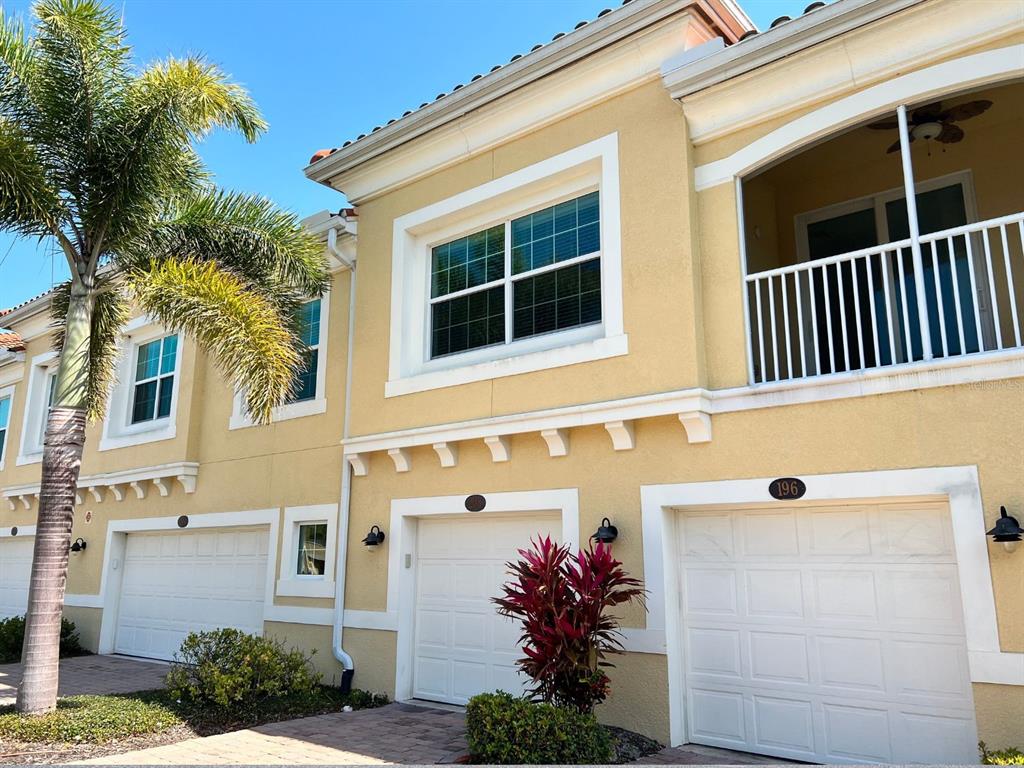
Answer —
504 730
12 637
1009 756
90 719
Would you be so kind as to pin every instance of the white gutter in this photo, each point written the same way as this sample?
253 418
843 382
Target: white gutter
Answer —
341 560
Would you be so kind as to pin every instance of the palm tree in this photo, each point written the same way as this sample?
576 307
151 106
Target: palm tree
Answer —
99 156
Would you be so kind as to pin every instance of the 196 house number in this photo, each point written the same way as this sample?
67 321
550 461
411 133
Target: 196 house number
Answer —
787 488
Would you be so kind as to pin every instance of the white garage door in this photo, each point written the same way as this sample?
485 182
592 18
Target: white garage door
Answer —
15 568
462 647
831 634
176 583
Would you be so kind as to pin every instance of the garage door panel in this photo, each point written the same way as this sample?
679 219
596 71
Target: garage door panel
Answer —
462 646
783 724
15 571
173 584
850 650
857 733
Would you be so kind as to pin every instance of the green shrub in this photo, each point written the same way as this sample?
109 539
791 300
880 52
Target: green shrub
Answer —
1009 756
236 674
90 719
504 730
12 637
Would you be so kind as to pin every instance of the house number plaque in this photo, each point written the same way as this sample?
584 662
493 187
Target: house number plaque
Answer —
787 488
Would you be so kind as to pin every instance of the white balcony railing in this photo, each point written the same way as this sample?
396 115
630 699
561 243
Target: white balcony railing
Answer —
863 309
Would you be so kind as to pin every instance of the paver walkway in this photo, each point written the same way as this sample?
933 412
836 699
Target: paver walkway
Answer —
92 674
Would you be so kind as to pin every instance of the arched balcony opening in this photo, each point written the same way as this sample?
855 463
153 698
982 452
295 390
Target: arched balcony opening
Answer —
842 275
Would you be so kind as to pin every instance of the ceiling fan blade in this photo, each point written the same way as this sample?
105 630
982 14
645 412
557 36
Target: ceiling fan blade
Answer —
884 125
895 147
927 113
965 111
950 134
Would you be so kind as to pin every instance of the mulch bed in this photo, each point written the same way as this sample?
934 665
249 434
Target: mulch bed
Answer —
631 746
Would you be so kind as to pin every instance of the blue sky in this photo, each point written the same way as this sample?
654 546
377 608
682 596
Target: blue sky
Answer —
323 72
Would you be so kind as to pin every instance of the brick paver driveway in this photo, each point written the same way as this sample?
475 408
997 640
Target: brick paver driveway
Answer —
397 733
92 674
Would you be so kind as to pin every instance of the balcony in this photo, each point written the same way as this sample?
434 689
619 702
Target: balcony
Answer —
944 285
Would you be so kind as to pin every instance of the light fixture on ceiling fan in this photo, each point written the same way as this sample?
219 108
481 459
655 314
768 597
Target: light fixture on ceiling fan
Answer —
933 122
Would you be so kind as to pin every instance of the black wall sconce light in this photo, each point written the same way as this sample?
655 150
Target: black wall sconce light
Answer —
1006 531
606 533
79 545
374 538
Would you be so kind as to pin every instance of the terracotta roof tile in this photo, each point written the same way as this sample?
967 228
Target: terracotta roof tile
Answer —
11 342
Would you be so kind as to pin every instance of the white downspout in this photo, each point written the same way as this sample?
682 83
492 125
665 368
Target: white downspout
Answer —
915 237
346 477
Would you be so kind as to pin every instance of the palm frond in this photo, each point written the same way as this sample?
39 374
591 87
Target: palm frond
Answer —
243 331
110 313
17 63
202 97
247 235
28 204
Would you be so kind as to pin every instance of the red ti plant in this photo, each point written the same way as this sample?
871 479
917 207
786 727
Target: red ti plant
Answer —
563 600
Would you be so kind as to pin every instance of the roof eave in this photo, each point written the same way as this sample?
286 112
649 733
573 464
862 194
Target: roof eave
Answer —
566 50
25 311
777 43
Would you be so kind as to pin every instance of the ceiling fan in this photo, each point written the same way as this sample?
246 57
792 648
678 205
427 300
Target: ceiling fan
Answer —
933 122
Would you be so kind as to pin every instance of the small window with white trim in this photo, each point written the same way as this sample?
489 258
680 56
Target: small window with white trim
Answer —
153 391
309 334
311 559
51 392
5 420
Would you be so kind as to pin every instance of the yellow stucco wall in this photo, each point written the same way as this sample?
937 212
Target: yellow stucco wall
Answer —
656 225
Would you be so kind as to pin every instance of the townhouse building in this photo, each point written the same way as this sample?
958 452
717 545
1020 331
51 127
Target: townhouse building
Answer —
661 274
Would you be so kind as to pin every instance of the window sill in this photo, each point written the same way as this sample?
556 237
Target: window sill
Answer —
29 458
139 437
305 588
282 413
595 349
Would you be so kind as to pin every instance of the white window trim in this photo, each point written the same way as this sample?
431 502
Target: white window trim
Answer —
577 171
959 486
291 584
240 419
118 431
5 393
30 450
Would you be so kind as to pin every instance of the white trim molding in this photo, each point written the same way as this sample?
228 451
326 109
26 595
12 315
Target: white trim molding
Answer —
6 393
240 419
291 584
958 485
33 421
401 554
987 67
117 541
161 476
695 408
118 430
594 165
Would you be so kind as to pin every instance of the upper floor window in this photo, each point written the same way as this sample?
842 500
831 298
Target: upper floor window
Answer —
154 379
545 266
51 392
5 420
309 334
522 273
312 549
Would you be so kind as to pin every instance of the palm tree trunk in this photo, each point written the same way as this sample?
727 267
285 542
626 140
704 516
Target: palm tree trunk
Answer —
62 460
